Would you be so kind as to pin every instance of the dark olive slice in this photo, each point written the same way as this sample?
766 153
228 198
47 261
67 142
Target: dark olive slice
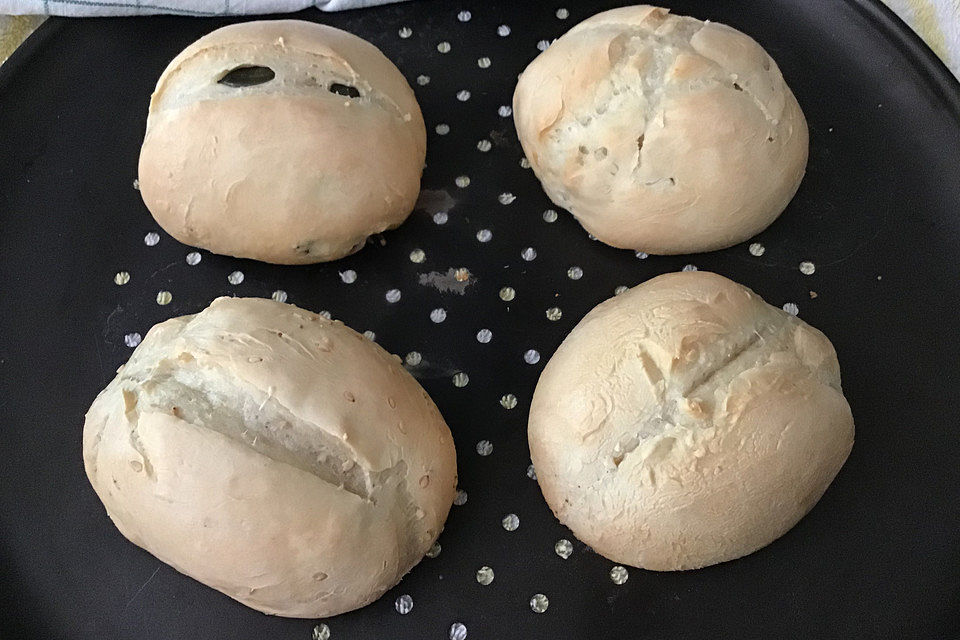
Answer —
344 90
247 76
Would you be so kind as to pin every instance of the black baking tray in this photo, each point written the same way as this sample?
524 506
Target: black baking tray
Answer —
878 213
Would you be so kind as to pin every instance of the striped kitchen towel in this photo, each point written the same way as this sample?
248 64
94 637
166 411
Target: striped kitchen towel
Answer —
179 7
936 21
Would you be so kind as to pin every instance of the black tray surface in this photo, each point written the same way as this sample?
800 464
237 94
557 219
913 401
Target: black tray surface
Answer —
877 214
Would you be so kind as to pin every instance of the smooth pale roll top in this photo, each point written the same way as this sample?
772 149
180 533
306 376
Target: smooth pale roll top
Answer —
300 168
274 455
660 132
686 422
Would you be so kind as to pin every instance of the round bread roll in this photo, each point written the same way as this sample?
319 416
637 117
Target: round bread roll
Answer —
283 141
273 455
661 133
686 422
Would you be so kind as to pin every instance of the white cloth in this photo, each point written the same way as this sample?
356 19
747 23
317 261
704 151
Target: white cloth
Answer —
936 21
181 7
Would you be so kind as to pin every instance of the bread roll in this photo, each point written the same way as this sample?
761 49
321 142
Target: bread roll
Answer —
283 141
661 133
686 422
273 455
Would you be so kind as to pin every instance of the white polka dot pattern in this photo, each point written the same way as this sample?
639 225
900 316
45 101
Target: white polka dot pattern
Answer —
474 292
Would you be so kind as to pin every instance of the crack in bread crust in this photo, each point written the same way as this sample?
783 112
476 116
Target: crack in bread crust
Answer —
665 48
253 418
323 70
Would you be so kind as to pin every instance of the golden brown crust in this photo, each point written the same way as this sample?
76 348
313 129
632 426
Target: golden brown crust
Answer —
686 422
274 455
287 171
662 133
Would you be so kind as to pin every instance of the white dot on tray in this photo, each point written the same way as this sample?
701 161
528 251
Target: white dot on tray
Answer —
756 249
484 235
508 401
506 197
531 356
393 295
122 278
235 277
193 258
438 315
423 80
574 273
151 239
461 498
164 298
321 632
405 32
505 111
464 16
403 604
461 379
562 13
413 358
539 603
484 336
462 181
554 314
417 256
463 95
510 522
619 574
485 575
791 308
483 63
132 339
507 294
349 276
807 268
279 295
563 548
441 217
543 45
484 448
549 215
444 47
458 631
442 129
503 30
529 254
